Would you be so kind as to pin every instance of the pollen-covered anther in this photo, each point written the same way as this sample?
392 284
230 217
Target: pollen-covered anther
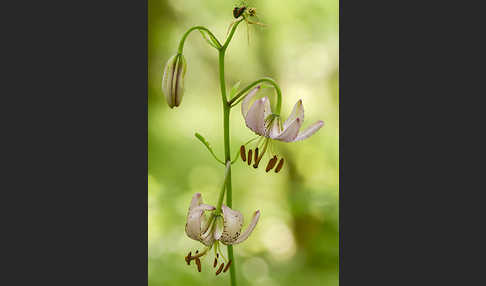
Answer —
243 153
271 164
220 268
255 165
250 152
279 166
227 266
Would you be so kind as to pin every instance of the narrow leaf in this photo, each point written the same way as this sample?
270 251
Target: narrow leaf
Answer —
208 146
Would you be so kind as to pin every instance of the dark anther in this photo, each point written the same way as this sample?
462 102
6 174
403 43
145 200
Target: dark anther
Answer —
227 266
256 159
198 262
279 166
249 157
188 258
215 262
243 153
197 251
271 163
220 268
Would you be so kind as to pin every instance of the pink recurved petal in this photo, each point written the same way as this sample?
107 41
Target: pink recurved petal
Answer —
297 112
255 118
195 201
245 104
290 133
249 229
309 131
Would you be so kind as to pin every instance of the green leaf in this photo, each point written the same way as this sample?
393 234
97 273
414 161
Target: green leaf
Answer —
206 143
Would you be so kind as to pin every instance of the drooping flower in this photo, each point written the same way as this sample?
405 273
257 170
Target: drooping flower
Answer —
173 80
261 120
207 226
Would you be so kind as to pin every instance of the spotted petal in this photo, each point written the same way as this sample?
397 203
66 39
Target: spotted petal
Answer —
233 221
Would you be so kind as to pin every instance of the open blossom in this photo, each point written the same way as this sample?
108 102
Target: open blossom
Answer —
224 228
173 80
261 120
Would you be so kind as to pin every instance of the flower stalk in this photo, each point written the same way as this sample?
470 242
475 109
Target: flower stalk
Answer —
226 139
224 224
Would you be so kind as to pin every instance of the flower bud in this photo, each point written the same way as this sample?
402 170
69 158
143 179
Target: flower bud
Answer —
173 80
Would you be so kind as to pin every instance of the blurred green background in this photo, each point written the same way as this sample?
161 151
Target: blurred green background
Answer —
297 237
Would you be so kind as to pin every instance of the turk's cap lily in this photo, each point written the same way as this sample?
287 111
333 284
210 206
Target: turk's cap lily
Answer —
225 228
173 80
261 120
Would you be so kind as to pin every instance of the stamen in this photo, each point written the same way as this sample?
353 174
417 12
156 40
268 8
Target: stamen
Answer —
243 153
188 258
215 262
256 158
198 262
227 266
199 254
271 163
279 166
249 157
220 268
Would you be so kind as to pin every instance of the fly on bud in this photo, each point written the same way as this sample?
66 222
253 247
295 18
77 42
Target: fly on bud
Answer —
173 80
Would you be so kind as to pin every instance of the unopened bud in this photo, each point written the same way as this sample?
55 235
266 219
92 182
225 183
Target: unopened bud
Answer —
173 80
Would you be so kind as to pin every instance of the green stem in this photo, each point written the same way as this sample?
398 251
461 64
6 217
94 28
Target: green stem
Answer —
200 28
221 193
227 156
234 101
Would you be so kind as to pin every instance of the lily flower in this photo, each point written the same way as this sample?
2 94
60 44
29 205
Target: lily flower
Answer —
224 227
261 120
173 80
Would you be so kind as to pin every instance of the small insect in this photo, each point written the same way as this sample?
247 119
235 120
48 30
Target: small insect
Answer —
243 11
237 11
